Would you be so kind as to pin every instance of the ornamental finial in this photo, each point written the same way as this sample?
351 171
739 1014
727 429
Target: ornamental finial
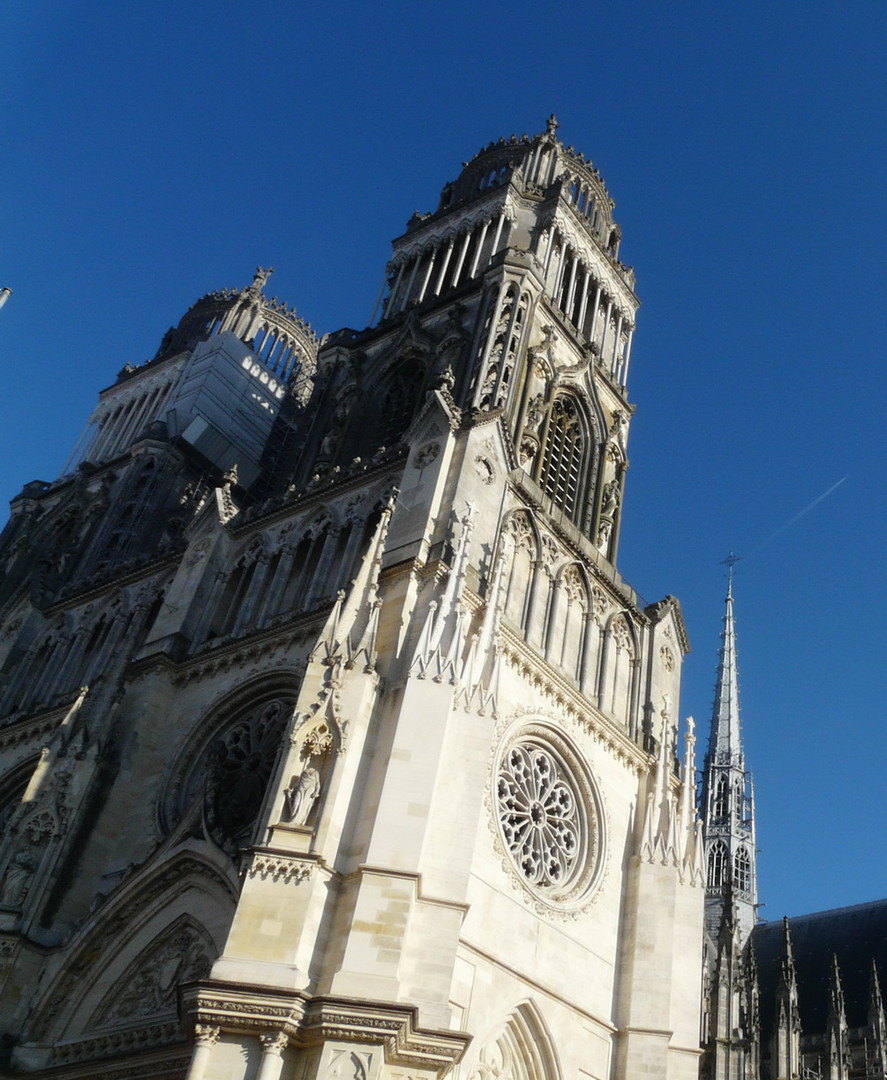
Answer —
730 562
260 278
552 125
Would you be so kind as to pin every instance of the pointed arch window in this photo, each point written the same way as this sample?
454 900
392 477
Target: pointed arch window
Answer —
739 800
718 862
721 806
399 403
742 870
562 464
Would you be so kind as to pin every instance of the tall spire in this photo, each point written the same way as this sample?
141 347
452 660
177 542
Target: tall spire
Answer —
725 742
727 805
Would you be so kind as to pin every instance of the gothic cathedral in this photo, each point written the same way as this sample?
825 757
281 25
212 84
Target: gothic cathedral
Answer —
333 743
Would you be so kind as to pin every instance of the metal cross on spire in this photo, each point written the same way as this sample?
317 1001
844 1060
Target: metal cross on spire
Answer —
730 562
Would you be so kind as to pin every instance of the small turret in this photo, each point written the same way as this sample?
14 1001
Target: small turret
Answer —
283 342
234 345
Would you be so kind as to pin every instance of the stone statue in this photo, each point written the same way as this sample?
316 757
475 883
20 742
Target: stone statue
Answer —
535 412
610 501
15 881
260 278
301 795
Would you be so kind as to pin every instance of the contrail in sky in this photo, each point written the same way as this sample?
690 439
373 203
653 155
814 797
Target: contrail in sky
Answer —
797 516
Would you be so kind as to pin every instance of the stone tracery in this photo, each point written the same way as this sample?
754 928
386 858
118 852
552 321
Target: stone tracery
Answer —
539 816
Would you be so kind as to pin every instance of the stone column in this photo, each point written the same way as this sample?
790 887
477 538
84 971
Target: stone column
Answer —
571 290
460 261
606 329
443 267
277 586
253 592
209 607
496 238
427 277
273 1045
410 280
550 629
480 244
584 306
624 376
596 315
615 365
205 1038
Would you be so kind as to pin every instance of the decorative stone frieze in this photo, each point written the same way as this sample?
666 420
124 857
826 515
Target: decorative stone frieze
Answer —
275 866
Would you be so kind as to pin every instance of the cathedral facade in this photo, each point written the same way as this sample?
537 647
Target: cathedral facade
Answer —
333 743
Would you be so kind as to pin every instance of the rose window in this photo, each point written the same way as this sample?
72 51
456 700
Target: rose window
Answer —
541 817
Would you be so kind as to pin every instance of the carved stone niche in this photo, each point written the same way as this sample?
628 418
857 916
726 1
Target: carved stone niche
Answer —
317 742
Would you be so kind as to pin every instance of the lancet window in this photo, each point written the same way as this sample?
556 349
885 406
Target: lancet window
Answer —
524 566
742 870
718 863
562 460
445 263
399 403
278 353
721 807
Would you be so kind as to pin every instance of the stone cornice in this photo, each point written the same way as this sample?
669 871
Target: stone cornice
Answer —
308 1021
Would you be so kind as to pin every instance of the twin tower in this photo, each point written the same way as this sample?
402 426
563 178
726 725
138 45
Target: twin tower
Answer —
333 743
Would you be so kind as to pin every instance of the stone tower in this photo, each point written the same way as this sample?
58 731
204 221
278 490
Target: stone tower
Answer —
334 744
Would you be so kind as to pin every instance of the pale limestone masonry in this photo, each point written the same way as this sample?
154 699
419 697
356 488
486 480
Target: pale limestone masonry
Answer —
359 761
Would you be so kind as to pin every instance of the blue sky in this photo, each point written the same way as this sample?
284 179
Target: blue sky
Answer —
156 151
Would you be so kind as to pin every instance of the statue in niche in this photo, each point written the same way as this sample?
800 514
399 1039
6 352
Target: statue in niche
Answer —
17 878
447 379
535 413
333 437
301 795
610 500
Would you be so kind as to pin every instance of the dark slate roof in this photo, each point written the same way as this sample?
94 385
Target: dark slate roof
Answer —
853 934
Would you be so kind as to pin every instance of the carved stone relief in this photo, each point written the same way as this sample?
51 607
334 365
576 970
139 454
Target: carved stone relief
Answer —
147 989
349 1065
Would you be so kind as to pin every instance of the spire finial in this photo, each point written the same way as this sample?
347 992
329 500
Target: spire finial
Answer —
730 562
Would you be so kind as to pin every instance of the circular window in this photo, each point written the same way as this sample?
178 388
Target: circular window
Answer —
549 818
